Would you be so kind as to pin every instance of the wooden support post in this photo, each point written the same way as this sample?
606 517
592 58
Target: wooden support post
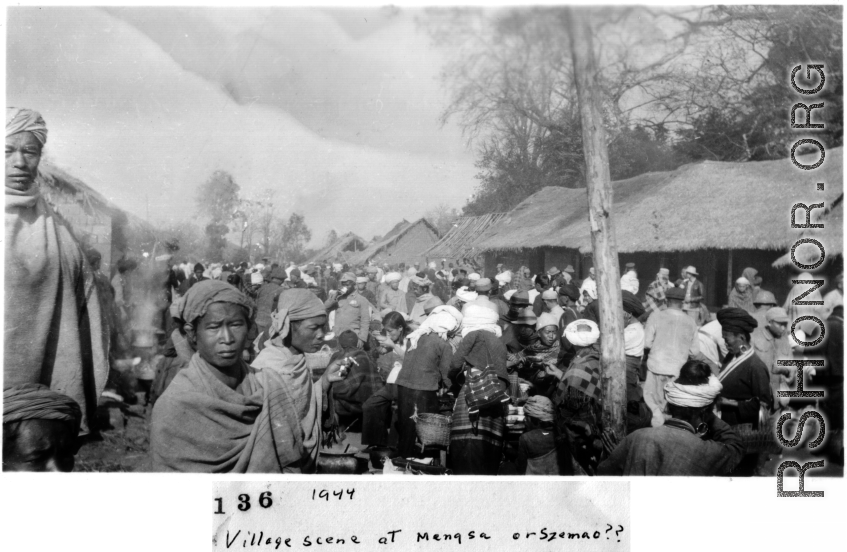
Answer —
729 281
595 149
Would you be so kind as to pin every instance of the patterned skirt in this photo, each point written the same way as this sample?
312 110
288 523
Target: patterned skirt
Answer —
476 447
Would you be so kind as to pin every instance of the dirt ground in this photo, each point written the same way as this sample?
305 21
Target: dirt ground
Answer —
123 445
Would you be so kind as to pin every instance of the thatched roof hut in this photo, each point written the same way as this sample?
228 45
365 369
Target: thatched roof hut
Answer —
405 243
706 205
340 250
94 220
460 242
720 217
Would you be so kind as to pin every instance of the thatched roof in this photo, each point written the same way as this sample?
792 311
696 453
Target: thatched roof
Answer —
55 181
395 235
341 249
698 206
831 236
460 241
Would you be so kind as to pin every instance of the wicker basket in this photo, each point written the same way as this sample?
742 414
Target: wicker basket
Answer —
433 429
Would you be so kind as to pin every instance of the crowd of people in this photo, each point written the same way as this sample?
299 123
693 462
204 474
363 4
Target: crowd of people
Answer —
266 365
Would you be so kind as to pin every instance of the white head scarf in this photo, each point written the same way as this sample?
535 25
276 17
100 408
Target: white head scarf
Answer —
504 277
694 396
467 296
441 321
582 338
478 317
392 277
473 276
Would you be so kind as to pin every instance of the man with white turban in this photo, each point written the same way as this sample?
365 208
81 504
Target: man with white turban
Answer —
425 368
693 441
392 297
420 287
53 330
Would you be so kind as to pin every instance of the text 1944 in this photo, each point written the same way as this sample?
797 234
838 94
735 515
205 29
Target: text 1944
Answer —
326 494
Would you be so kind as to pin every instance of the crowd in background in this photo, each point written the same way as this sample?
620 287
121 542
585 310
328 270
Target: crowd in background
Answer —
266 367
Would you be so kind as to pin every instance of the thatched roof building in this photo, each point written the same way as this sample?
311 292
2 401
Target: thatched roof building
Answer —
340 250
406 243
713 215
94 220
459 244
831 236
698 206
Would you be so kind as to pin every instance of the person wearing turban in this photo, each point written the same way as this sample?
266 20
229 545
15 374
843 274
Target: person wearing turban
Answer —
40 429
220 415
741 295
691 442
542 450
578 397
392 298
426 364
476 443
362 289
420 287
53 328
541 352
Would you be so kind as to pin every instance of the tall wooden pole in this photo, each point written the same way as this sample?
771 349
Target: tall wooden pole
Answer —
612 356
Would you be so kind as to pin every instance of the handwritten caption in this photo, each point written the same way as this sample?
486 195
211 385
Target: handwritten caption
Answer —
409 515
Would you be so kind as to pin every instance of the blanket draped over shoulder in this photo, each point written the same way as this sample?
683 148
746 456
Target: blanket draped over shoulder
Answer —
52 322
269 424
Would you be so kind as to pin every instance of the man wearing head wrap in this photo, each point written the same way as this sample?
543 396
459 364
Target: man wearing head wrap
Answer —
266 297
221 416
53 331
352 310
629 281
362 288
373 285
691 442
638 413
420 287
392 297
578 398
425 368
40 428
475 445
539 451
588 289
654 297
670 339
741 295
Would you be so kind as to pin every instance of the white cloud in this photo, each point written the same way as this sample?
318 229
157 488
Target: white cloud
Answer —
128 119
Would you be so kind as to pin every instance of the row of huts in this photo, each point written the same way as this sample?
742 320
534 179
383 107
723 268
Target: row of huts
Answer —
719 217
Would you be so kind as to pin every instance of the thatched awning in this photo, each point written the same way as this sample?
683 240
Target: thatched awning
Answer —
706 205
340 249
831 237
460 241
395 235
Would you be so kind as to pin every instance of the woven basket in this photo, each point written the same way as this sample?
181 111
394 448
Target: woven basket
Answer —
433 429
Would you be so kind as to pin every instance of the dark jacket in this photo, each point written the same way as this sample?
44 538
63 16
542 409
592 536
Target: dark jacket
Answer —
426 366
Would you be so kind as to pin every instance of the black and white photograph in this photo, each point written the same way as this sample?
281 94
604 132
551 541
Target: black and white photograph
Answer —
552 240
423 276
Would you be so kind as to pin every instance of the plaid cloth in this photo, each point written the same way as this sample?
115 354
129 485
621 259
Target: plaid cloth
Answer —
490 424
654 297
584 374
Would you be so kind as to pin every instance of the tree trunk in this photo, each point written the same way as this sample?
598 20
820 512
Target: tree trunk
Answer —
612 356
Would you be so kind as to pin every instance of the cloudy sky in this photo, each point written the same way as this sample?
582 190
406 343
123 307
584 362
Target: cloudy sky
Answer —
335 109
